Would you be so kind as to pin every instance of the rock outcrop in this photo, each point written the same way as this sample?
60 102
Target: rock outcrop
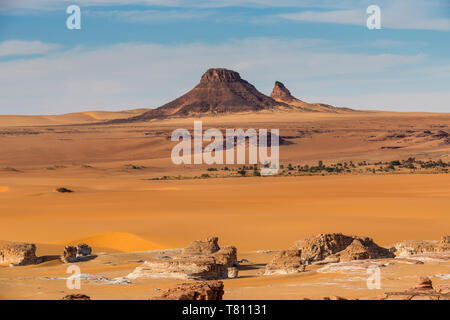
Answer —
281 93
423 290
18 254
205 290
219 91
69 255
199 247
83 250
76 297
199 261
444 244
336 247
415 247
325 248
285 262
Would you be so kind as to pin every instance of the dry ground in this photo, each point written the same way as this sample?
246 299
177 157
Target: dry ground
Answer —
115 208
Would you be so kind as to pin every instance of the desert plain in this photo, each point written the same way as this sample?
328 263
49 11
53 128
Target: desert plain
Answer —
130 202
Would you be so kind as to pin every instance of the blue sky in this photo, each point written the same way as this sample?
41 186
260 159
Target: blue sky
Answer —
144 53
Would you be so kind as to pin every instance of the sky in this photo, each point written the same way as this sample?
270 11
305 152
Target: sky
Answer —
144 53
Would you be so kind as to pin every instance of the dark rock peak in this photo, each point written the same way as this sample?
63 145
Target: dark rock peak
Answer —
220 75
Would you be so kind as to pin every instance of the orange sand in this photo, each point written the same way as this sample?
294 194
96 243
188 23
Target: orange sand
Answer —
117 209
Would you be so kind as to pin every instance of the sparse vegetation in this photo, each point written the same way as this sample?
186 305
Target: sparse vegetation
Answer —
409 166
134 167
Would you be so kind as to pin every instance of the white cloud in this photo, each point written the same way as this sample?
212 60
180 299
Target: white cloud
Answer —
17 47
411 101
131 75
415 15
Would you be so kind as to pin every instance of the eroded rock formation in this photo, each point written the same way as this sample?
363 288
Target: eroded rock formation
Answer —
199 247
18 254
423 290
336 247
204 290
69 255
200 261
83 250
219 91
415 247
325 248
285 262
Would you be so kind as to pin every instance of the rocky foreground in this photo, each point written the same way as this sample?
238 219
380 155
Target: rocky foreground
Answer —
201 260
204 262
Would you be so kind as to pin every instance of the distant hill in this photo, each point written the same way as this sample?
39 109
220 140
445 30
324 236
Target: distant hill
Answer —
224 91
66 119
281 94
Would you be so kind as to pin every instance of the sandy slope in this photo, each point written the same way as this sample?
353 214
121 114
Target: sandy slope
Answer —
69 118
253 213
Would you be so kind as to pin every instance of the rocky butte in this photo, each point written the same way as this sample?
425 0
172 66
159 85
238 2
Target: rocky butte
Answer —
223 91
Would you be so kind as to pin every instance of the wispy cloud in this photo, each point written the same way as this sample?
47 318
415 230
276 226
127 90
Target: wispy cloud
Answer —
17 47
416 15
147 75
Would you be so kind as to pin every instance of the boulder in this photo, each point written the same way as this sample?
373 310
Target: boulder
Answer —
199 247
69 255
286 262
83 250
334 298
423 290
204 290
76 297
233 273
424 283
18 254
443 288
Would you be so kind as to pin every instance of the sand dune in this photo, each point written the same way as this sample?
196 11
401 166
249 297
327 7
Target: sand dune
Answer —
121 241
69 118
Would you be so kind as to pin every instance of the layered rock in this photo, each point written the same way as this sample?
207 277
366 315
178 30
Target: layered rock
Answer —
325 248
415 247
205 290
285 262
197 263
199 247
219 91
281 93
423 290
336 247
18 254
